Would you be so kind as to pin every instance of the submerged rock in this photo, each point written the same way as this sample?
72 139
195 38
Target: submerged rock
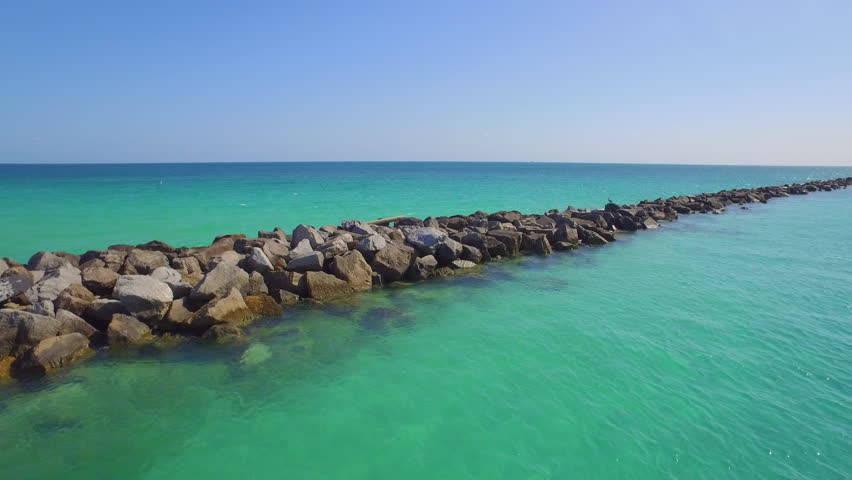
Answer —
55 352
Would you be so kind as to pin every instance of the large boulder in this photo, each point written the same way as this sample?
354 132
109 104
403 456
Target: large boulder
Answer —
71 323
312 261
21 330
590 237
393 261
292 282
187 265
144 297
422 268
13 286
353 269
566 233
256 285
126 330
100 312
426 240
257 261
178 316
537 243
471 254
323 286
143 262
362 229
54 283
448 251
262 305
308 232
54 352
370 245
99 280
45 261
76 299
173 279
512 240
335 246
230 309
220 281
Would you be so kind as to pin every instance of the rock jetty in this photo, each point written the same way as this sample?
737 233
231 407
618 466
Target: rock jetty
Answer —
60 307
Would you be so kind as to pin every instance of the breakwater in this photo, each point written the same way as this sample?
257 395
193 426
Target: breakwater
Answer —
59 306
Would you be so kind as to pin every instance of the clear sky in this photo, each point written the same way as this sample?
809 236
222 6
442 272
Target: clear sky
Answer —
740 82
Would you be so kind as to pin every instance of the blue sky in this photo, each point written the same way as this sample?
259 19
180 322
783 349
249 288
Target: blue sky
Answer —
763 82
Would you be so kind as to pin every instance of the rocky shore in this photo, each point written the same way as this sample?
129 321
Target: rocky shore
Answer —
58 308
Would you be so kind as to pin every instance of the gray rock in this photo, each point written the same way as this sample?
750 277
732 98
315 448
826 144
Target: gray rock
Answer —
353 269
308 232
55 352
143 262
301 248
393 261
227 257
371 244
186 265
20 331
471 254
178 317
43 307
537 243
426 239
276 233
512 240
70 323
126 330
362 229
333 247
144 297
256 285
422 268
219 282
54 283
284 297
174 280
13 286
230 309
45 261
312 261
290 281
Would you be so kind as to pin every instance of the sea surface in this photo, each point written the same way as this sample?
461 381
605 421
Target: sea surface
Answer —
718 346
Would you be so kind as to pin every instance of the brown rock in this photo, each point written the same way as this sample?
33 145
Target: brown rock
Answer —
231 309
263 305
353 269
55 352
126 330
143 262
99 280
223 332
323 286
6 368
393 261
76 299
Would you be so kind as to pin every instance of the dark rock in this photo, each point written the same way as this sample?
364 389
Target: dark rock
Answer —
589 237
54 283
537 243
284 297
512 240
43 307
55 352
276 233
292 282
408 222
178 317
13 286
567 234
471 254
257 261
422 268
256 285
223 333
126 330
448 251
333 247
156 246
100 312
20 331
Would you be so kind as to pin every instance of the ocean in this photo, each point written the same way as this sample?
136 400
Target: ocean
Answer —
715 347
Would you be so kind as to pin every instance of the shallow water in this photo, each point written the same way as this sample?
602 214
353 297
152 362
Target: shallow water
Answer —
715 347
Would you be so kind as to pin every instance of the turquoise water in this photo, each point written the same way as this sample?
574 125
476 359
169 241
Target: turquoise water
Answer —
76 208
715 347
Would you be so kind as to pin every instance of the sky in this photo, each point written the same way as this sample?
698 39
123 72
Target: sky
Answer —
715 82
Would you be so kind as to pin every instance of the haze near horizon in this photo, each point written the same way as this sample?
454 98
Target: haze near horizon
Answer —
710 82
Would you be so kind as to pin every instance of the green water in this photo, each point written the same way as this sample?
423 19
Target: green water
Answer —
714 347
